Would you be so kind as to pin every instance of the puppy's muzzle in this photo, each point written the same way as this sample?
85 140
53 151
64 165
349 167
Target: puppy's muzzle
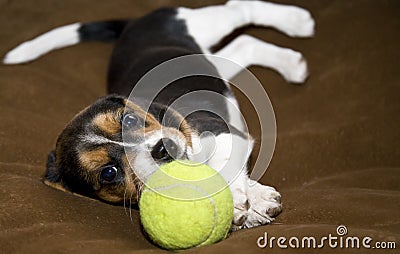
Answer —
165 150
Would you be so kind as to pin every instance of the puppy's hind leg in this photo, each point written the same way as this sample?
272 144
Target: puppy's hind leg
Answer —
209 25
246 51
291 20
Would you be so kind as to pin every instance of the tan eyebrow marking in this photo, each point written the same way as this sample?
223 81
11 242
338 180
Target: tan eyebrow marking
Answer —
94 159
187 132
153 124
151 121
108 122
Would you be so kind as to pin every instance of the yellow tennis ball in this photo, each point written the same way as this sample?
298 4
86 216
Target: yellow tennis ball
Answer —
185 205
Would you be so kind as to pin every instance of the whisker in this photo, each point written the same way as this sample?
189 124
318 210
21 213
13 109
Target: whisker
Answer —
138 185
125 208
130 208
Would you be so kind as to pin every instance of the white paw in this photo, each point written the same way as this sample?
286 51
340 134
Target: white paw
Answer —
258 207
241 206
293 66
297 22
264 205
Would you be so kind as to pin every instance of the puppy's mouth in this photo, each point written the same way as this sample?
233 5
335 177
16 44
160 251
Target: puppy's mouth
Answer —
159 147
166 145
162 136
166 150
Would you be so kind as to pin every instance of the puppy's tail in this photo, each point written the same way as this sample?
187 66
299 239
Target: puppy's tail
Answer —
106 31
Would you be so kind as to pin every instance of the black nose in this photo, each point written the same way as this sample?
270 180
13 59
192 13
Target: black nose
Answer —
165 150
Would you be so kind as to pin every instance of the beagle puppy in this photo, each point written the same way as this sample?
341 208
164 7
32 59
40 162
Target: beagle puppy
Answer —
109 149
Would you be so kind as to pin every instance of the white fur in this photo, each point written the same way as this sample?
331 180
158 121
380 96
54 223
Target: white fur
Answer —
235 116
57 38
99 140
203 147
209 25
230 154
194 152
291 20
264 204
246 50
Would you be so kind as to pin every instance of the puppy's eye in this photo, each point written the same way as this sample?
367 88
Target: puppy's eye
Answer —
108 173
131 121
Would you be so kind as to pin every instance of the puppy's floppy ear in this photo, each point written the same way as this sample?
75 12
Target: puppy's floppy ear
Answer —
52 173
52 177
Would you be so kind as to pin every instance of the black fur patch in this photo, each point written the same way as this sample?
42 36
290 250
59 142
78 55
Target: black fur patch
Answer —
152 40
105 31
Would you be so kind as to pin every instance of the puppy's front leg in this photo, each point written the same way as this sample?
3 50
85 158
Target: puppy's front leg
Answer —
264 204
255 204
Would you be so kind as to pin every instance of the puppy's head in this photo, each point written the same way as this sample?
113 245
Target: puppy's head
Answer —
111 147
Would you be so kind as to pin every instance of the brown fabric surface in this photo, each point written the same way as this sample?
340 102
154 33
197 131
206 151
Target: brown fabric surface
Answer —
337 157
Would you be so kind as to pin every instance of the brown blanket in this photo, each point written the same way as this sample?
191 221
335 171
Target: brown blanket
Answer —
337 158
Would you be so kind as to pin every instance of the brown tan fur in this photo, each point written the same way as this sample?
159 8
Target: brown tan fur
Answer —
150 120
94 159
109 122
